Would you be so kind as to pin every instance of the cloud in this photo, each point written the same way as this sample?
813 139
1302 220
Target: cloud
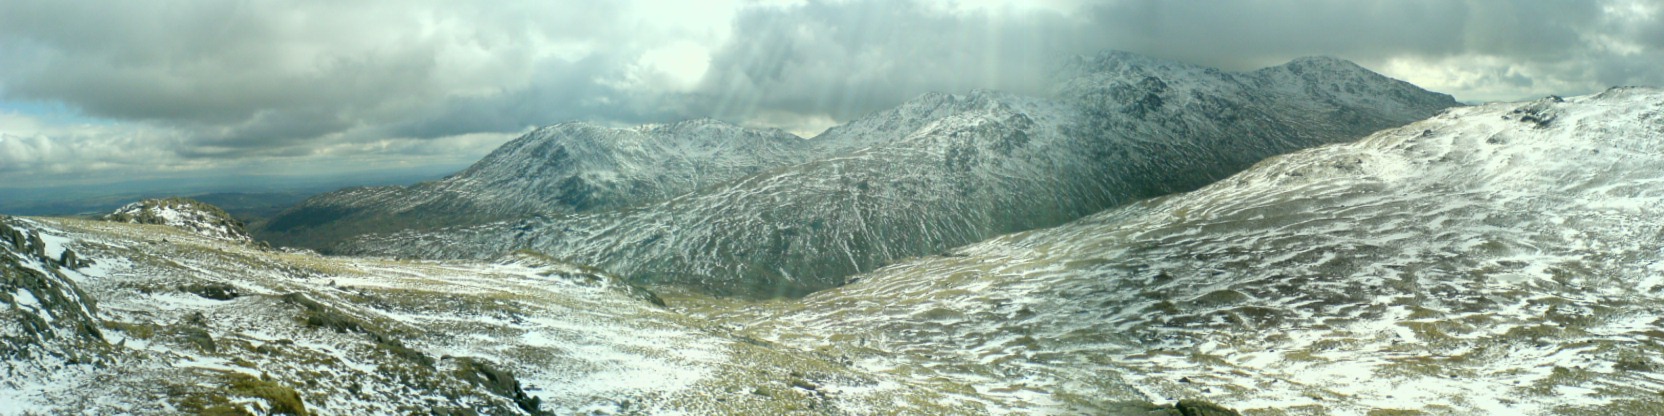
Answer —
183 87
247 74
41 152
196 86
847 59
843 59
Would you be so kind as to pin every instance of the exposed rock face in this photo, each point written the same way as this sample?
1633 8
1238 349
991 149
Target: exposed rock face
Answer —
946 170
46 321
184 213
486 375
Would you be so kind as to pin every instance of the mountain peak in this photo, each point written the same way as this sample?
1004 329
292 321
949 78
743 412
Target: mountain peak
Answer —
1326 78
1122 62
1324 67
1322 61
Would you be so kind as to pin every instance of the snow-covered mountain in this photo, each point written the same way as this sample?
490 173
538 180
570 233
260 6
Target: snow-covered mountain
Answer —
559 169
1499 259
946 170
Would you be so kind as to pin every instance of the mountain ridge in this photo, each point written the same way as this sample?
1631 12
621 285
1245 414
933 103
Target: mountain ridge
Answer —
974 166
558 169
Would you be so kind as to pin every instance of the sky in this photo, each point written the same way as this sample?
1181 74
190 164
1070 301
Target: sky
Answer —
100 92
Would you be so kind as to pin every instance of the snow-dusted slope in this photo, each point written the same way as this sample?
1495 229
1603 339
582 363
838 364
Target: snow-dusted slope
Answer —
559 169
1501 259
46 321
946 170
183 213
150 319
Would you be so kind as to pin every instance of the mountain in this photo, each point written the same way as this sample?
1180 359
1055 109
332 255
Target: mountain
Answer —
101 317
1499 259
946 170
561 169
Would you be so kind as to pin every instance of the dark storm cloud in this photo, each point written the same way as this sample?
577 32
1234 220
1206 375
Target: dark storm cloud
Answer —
847 59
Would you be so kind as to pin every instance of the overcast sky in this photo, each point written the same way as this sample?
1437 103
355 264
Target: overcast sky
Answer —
108 91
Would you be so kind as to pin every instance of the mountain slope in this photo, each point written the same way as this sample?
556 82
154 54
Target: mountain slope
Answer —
565 168
1121 127
1501 259
151 319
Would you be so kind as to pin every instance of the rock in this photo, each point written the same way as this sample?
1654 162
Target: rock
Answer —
42 311
198 337
498 381
215 291
68 259
1188 407
36 246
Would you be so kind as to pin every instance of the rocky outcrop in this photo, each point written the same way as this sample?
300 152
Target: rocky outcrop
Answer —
183 213
486 375
48 319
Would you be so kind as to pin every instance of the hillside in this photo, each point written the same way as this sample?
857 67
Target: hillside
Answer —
1500 259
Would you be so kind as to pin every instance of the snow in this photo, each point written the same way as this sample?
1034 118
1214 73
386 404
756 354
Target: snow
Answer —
26 299
19 399
55 244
